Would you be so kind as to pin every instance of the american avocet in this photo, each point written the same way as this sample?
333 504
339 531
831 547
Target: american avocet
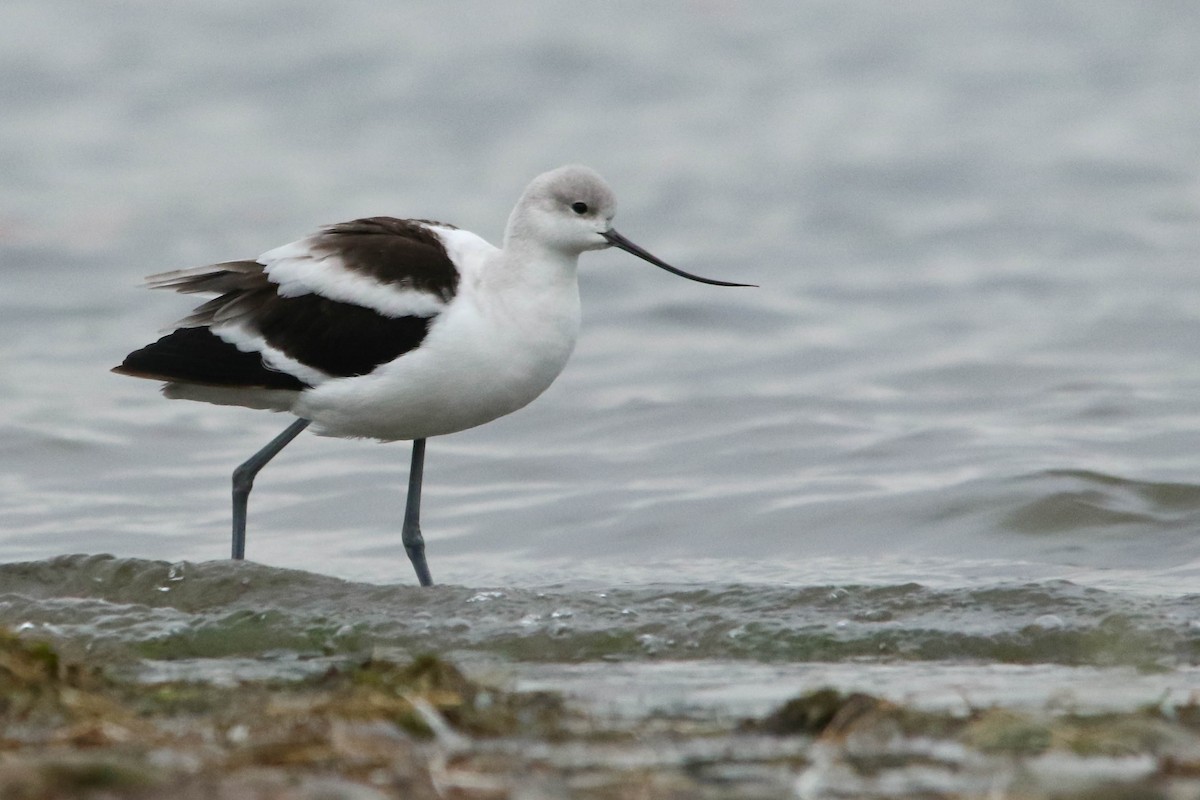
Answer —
391 329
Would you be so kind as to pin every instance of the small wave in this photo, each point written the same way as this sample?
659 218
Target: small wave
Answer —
122 610
1081 499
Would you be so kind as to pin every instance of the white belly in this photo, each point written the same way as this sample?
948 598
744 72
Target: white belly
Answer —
476 364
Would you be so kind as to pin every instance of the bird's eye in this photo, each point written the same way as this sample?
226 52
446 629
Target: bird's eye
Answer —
579 208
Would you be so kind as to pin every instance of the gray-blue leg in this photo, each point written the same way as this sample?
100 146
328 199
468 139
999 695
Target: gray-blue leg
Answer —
243 482
414 542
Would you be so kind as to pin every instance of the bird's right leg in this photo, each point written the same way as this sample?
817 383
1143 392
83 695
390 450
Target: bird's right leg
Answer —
243 482
414 542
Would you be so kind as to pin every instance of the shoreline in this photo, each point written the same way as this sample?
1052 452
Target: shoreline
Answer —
375 728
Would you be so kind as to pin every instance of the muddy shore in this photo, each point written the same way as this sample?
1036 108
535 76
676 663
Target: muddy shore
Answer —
377 729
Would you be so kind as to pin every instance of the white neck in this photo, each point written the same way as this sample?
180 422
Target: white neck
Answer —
527 261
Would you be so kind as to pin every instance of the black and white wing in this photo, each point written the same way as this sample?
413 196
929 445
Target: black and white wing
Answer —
336 304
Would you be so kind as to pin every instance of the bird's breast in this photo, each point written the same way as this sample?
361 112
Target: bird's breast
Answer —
482 358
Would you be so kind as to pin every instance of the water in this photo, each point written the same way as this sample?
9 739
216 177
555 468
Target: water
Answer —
1027 644
957 427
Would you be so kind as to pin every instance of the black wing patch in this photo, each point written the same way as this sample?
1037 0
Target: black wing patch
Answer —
340 339
196 355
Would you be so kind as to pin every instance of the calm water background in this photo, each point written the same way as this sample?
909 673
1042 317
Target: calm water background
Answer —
960 421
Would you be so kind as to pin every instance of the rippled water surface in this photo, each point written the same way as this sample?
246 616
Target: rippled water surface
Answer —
950 447
214 619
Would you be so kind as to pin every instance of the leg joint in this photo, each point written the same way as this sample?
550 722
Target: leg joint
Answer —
243 477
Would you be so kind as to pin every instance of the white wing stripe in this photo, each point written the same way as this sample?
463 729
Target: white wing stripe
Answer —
299 271
273 357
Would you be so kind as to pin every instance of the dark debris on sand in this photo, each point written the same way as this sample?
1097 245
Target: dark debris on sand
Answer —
377 729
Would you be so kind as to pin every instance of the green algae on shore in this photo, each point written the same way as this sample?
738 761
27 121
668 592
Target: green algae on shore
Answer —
374 728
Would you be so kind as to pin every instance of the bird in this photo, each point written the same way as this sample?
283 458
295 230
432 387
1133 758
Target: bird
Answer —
390 329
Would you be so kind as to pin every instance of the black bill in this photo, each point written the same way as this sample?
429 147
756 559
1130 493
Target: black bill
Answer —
617 240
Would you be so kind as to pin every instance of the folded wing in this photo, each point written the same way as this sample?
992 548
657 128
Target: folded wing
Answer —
337 304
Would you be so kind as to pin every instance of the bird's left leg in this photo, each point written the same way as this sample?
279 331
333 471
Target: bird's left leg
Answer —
243 482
